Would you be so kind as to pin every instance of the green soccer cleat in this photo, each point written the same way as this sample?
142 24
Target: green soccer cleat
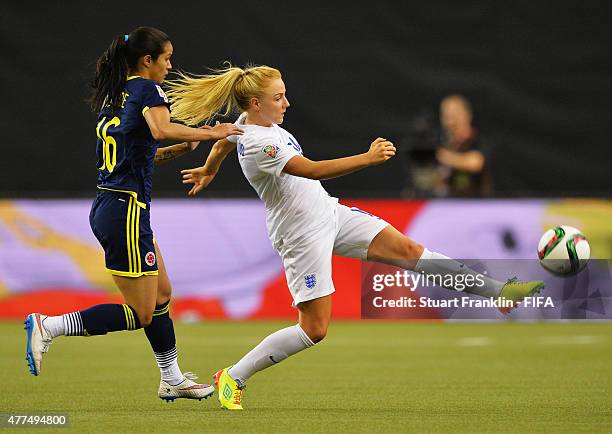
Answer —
230 392
516 292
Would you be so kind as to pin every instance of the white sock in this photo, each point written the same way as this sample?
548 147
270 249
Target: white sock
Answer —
55 325
432 263
272 350
169 367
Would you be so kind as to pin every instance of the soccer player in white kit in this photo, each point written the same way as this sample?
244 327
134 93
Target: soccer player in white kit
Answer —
305 224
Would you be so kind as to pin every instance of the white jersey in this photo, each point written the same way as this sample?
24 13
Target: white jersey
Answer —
296 206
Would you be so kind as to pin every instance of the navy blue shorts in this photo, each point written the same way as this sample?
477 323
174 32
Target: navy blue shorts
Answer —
123 228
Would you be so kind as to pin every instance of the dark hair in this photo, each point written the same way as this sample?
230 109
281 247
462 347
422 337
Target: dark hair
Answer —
114 64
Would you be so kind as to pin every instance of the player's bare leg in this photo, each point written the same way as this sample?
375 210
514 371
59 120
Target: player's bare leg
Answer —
315 316
140 293
164 287
394 248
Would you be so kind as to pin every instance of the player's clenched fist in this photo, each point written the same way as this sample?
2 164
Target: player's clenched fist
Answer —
380 151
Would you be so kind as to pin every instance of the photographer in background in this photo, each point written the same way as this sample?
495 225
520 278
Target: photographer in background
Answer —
461 156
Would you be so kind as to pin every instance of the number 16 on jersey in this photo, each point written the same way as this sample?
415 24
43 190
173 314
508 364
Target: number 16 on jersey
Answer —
109 156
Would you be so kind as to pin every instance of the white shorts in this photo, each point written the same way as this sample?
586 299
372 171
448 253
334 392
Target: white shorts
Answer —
308 263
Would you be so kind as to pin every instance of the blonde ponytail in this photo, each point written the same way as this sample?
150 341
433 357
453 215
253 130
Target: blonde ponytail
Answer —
196 99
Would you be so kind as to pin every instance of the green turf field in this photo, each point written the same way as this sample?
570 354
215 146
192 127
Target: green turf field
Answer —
365 377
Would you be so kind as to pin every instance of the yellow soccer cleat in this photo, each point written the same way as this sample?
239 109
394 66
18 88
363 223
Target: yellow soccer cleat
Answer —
230 392
516 292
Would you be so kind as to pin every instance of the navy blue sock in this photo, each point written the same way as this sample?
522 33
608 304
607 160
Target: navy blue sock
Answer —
104 318
161 330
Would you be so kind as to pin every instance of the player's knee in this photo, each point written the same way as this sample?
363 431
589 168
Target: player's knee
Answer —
163 297
410 249
145 318
317 332
319 335
164 290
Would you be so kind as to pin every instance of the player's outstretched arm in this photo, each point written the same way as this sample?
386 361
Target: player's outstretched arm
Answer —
176 150
173 151
202 176
380 151
217 154
158 120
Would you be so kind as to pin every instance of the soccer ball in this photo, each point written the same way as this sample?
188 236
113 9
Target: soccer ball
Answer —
563 250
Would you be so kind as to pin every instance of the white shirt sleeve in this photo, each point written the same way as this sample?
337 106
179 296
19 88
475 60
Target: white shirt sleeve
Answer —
271 157
239 123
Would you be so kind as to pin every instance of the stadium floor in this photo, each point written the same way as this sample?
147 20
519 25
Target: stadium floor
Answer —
367 376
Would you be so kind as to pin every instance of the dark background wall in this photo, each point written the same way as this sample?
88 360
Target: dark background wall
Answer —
538 74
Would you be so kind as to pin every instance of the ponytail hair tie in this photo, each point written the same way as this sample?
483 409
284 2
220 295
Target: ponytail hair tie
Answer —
125 38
